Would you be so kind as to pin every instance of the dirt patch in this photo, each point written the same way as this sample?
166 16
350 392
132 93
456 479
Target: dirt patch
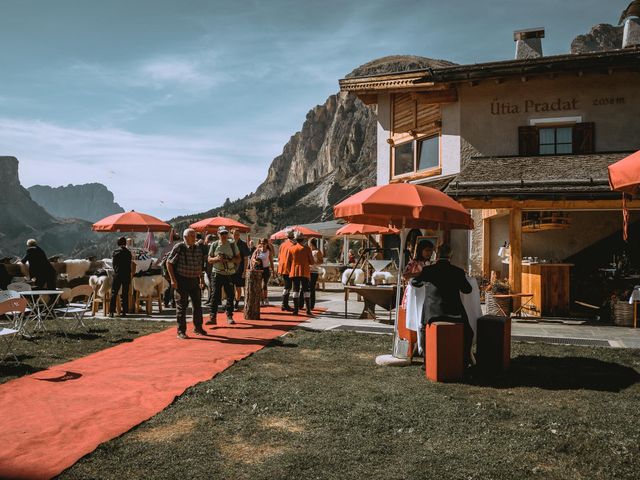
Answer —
282 423
243 451
166 433
312 354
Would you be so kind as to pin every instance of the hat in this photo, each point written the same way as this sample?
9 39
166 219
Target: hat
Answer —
298 235
222 230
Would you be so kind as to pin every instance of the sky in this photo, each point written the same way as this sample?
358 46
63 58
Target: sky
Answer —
176 105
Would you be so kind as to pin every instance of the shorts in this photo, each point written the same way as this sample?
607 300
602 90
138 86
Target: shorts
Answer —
237 279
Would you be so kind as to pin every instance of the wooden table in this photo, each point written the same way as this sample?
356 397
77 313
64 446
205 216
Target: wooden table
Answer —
525 299
383 296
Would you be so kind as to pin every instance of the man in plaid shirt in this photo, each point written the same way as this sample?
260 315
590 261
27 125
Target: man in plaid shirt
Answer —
186 266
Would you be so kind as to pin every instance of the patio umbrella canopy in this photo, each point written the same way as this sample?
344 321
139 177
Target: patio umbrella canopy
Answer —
624 176
307 232
212 224
131 222
404 205
362 229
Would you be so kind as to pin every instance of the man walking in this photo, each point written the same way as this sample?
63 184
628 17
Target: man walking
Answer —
123 265
185 265
241 270
299 261
39 266
282 269
224 258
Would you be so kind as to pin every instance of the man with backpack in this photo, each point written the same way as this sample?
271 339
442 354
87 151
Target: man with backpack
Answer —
185 265
224 258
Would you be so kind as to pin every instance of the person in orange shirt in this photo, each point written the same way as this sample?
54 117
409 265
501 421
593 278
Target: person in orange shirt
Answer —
282 261
298 266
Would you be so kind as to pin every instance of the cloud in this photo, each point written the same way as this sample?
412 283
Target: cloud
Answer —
158 174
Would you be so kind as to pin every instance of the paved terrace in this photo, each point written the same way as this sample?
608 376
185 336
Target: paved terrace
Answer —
551 331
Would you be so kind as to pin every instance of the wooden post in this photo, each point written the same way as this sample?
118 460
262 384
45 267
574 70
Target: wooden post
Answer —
515 257
486 247
252 294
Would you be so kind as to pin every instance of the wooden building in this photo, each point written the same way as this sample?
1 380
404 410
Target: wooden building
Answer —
523 143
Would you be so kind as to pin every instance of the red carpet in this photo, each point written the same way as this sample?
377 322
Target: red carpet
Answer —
52 418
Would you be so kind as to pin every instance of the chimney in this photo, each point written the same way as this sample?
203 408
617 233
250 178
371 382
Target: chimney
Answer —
528 43
631 35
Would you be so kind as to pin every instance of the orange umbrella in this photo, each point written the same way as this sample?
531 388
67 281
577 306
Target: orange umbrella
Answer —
362 229
307 232
404 205
131 222
624 176
212 224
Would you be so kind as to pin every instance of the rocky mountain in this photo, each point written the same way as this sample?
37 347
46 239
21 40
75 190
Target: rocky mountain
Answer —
22 218
331 157
90 202
601 37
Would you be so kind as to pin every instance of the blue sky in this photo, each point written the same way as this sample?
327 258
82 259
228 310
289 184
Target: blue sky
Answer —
176 105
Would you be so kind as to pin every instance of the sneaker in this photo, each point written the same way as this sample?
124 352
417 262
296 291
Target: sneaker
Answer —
230 320
211 322
182 336
111 315
286 308
200 332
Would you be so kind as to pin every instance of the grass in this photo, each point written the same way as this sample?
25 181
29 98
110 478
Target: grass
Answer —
46 349
315 406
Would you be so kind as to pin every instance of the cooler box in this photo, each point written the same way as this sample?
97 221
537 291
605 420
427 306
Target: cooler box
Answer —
493 350
443 355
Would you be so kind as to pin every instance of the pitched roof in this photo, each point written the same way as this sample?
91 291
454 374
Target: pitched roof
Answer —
557 176
433 76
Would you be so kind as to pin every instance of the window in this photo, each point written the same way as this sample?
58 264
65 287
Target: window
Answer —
416 156
403 159
578 138
556 140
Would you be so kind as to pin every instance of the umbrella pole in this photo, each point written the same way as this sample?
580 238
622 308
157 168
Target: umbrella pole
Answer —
400 346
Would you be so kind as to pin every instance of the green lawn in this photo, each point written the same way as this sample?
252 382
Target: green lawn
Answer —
50 348
315 406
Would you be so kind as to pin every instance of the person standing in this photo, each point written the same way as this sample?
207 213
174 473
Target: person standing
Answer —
298 266
208 240
39 266
224 258
282 269
263 260
186 265
241 270
123 266
318 259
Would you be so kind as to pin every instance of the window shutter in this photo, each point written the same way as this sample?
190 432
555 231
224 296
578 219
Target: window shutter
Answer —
528 141
584 138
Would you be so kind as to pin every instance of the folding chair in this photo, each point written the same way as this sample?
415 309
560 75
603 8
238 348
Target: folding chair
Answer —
12 307
77 309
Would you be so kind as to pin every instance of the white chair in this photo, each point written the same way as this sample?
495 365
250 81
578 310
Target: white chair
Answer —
13 307
77 309
19 287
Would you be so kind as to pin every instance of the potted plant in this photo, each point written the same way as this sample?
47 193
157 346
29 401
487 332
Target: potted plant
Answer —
498 306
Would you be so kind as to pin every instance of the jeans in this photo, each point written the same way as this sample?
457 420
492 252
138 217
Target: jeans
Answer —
120 282
312 289
216 283
188 288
